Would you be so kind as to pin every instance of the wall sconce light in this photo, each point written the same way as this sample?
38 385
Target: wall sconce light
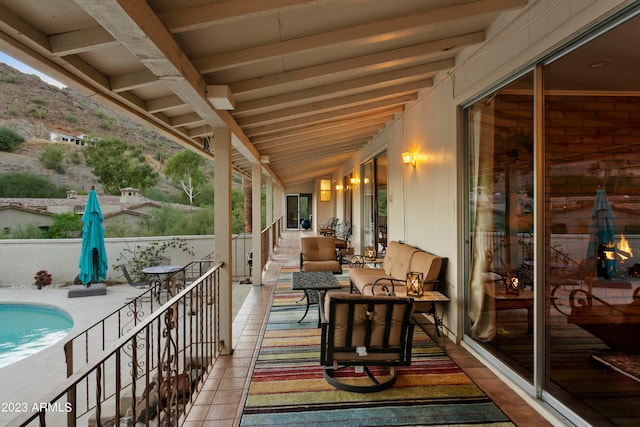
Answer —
355 181
339 187
325 190
408 158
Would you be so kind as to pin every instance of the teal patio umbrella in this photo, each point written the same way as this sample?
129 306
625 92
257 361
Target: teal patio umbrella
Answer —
93 257
601 237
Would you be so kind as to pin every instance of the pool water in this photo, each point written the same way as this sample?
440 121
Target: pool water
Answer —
26 329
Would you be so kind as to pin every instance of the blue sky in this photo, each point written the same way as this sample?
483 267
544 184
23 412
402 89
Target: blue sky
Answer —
27 70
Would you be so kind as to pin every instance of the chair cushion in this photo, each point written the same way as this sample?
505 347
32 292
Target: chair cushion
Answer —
361 315
429 265
331 265
318 248
362 278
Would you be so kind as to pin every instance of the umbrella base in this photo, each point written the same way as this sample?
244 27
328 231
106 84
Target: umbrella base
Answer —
76 291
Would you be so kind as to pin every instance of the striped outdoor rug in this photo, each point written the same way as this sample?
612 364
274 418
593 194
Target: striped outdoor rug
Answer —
288 388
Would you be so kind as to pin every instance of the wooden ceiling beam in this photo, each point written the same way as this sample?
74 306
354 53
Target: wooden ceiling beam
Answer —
365 33
133 80
228 11
319 141
325 127
323 131
332 90
338 103
380 60
396 104
82 40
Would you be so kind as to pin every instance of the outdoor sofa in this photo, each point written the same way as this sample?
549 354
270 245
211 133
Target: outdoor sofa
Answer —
399 259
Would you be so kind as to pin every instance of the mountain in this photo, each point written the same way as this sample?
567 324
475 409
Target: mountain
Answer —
34 108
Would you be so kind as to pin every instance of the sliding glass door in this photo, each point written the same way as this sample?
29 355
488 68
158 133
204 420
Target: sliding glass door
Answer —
374 191
298 210
552 294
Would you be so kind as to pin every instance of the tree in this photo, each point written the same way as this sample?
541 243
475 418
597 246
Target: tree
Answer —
65 225
53 157
186 168
29 186
116 166
9 140
247 187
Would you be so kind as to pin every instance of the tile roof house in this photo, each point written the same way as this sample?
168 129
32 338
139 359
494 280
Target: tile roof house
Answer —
130 207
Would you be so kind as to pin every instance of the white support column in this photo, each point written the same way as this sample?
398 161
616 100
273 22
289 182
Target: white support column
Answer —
256 223
279 202
269 201
269 210
222 230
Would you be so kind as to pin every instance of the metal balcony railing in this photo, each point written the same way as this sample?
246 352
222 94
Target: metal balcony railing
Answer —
157 366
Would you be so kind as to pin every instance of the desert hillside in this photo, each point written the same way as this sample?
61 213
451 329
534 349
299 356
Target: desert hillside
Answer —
33 109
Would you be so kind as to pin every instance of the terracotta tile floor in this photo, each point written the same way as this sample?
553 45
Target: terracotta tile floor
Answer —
222 399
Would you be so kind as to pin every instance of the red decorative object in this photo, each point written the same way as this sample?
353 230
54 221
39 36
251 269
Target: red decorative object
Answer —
43 278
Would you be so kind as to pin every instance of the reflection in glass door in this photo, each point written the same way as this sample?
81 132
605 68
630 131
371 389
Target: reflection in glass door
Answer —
582 261
374 190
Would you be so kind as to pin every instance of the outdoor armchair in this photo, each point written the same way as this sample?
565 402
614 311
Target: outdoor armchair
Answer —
365 331
137 285
319 254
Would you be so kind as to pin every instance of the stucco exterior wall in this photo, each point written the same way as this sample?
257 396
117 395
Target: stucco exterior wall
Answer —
21 259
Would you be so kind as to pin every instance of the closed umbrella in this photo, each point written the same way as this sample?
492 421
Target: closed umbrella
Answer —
601 237
93 257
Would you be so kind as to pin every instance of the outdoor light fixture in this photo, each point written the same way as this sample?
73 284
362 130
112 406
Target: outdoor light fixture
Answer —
355 181
408 158
415 284
370 252
325 190
339 187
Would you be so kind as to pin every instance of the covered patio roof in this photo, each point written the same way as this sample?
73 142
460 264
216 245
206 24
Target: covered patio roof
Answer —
301 84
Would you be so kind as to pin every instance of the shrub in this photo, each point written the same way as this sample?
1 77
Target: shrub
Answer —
13 111
9 140
52 157
28 231
28 185
12 78
38 113
41 100
71 118
140 257
65 225
107 123
75 158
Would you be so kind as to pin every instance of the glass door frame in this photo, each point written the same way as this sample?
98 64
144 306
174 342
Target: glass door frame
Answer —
298 213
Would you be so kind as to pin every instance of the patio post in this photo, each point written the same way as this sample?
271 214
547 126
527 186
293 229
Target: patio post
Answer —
256 222
222 230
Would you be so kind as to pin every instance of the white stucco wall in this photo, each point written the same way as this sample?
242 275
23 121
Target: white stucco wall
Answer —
21 259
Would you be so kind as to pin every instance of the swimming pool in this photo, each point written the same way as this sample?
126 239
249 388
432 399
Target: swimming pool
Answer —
26 329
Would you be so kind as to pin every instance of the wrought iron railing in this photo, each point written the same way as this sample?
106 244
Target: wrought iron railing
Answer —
106 331
153 371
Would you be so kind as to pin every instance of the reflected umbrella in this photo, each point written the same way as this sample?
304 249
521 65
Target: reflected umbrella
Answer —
600 251
93 257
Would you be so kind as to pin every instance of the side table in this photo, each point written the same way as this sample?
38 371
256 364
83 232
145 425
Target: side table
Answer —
314 284
435 298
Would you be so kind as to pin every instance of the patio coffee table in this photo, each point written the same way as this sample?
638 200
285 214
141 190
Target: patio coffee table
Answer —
313 283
